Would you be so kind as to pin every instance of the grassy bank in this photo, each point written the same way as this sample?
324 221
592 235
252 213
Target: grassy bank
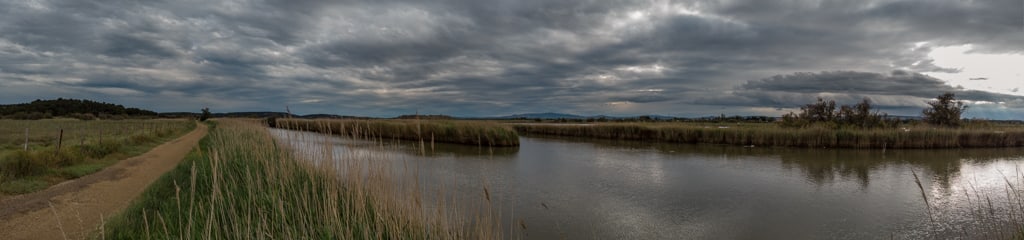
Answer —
480 133
62 149
242 184
768 134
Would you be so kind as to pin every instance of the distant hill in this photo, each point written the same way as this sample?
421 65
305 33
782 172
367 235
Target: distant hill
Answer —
255 115
547 115
83 109
551 115
433 117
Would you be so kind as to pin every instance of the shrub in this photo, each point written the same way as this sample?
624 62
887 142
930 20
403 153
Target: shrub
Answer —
20 164
945 111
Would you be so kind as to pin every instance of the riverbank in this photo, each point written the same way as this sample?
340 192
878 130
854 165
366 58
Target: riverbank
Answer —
769 134
241 183
478 133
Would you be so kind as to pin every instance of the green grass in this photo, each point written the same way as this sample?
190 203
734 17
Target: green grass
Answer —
479 133
240 184
86 147
24 185
767 134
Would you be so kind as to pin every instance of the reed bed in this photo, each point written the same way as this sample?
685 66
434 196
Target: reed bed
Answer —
35 154
480 133
919 136
242 184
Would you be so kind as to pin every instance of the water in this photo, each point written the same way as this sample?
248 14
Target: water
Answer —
595 189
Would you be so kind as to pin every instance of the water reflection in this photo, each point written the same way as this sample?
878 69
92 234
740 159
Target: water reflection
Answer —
823 166
585 188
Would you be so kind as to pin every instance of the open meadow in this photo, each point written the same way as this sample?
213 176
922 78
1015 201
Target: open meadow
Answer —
35 154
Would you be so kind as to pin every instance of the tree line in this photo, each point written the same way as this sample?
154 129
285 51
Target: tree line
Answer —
946 110
73 108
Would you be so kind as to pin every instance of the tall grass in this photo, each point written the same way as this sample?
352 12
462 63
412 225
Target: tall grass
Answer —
772 135
84 147
480 133
242 184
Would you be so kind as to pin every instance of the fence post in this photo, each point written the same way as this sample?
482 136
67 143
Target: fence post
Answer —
26 139
60 139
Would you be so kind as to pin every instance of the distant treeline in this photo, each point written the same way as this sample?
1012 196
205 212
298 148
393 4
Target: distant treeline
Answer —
258 115
73 108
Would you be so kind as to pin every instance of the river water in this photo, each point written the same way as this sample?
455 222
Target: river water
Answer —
554 188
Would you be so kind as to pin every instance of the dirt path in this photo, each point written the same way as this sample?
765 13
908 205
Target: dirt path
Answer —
74 209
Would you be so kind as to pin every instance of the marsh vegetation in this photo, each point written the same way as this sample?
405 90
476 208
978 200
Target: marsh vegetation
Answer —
476 133
817 125
243 184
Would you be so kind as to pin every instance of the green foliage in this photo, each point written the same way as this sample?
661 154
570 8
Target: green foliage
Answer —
26 185
99 149
205 115
945 111
18 164
81 109
824 113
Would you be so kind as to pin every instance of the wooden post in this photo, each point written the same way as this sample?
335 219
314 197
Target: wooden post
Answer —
60 139
26 139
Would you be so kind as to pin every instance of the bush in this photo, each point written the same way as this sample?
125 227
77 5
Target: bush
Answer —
100 149
82 116
945 111
825 113
20 164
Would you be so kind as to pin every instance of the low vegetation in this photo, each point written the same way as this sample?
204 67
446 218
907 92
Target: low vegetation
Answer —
824 114
35 154
817 125
480 133
770 134
243 184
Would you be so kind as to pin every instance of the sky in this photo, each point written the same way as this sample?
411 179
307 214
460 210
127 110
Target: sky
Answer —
501 57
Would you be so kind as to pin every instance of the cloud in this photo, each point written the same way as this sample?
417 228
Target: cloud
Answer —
492 57
901 91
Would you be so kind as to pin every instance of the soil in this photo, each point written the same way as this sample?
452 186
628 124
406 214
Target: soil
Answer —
76 209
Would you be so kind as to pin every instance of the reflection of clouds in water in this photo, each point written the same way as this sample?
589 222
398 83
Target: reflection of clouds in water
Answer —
639 168
986 192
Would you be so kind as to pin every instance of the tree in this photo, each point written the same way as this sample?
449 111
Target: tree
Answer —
859 115
205 115
822 111
945 111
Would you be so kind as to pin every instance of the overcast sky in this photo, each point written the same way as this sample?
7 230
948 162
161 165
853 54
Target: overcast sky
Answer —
491 57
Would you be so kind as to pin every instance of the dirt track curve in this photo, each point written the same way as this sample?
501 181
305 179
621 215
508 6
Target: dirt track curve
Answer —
75 208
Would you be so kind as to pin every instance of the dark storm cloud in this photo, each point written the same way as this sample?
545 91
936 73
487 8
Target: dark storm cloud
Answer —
901 91
492 57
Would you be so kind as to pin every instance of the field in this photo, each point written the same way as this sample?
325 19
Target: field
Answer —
35 154
770 134
242 184
479 133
